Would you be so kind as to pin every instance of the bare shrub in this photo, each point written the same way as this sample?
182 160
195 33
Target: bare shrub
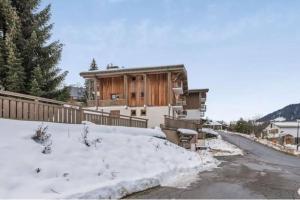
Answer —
84 136
47 149
41 135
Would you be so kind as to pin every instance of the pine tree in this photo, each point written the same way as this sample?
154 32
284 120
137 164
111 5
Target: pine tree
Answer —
14 79
2 64
35 87
93 65
11 71
88 84
37 52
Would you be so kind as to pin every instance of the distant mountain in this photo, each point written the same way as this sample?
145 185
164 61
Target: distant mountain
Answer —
290 113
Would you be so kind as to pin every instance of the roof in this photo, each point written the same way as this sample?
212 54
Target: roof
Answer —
213 123
198 90
179 67
286 124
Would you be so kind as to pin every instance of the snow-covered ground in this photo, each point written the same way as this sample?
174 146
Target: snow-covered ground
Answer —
219 147
117 162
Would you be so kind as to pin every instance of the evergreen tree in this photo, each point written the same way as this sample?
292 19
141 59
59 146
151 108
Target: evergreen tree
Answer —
35 88
88 84
2 64
11 69
37 53
14 79
93 65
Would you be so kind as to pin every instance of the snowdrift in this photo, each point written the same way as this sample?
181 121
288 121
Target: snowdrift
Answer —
118 161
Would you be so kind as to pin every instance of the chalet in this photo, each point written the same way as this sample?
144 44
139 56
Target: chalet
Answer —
146 92
283 132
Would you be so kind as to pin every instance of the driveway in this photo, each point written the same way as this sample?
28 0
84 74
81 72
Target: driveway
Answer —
261 173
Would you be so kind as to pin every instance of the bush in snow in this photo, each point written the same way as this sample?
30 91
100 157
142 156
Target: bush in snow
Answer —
41 135
47 149
85 139
84 135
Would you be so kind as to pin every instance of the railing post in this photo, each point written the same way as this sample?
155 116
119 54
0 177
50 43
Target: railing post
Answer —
130 121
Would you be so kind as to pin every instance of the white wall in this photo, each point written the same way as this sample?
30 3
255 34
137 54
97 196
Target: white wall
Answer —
193 114
154 114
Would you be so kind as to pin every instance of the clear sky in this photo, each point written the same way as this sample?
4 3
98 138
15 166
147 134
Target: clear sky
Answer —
247 52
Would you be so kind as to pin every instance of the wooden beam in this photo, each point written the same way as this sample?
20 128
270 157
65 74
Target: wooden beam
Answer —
126 88
170 95
95 91
145 90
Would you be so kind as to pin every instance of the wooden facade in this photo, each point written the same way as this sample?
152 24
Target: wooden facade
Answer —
137 87
194 99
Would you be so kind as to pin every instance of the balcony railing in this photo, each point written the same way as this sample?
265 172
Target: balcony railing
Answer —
175 123
106 103
180 102
203 108
117 102
202 114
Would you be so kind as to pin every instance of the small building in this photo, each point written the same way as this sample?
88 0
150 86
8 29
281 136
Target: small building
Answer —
213 125
146 92
76 93
282 132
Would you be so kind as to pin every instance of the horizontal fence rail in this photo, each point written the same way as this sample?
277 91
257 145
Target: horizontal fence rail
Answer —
26 107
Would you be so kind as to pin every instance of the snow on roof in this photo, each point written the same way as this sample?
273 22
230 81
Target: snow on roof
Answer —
187 131
280 119
213 123
286 124
210 131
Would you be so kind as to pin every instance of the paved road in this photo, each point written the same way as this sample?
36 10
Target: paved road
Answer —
261 173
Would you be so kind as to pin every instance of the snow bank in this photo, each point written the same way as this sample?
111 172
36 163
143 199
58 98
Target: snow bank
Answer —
211 131
119 161
222 148
187 131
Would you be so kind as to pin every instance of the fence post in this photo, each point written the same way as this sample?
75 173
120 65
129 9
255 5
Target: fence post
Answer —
130 121
80 115
36 110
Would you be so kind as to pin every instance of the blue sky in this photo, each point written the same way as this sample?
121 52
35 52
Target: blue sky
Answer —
246 52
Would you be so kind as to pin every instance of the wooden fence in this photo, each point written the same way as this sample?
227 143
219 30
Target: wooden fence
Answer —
174 123
26 107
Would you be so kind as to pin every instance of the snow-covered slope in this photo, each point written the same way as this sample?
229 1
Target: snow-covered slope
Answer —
118 161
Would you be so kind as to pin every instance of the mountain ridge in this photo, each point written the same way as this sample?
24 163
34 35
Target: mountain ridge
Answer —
290 113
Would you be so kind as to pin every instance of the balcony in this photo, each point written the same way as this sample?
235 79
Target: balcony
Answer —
203 108
180 102
178 90
116 102
202 114
203 100
107 103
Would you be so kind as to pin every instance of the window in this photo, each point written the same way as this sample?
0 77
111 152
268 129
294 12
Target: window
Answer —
142 94
133 78
143 112
133 112
115 96
133 95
